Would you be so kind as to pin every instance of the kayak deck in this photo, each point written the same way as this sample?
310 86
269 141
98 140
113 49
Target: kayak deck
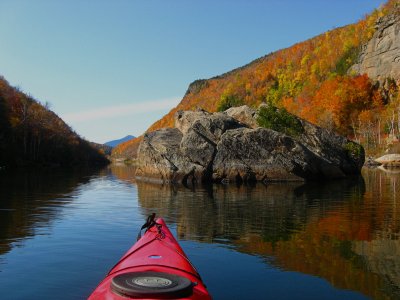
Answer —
154 268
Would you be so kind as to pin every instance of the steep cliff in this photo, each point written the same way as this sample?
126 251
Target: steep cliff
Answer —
380 57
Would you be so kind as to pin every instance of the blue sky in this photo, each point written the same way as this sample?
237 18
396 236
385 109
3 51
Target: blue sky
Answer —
112 68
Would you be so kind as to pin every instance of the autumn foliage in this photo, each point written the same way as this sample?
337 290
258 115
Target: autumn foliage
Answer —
312 79
338 102
294 72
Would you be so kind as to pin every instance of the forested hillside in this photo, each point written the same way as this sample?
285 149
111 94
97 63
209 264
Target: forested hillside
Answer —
31 134
313 79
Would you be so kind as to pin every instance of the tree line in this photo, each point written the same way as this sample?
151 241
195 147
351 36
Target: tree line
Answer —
31 134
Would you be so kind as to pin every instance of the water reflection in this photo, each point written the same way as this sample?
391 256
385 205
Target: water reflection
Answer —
345 231
31 199
274 211
123 172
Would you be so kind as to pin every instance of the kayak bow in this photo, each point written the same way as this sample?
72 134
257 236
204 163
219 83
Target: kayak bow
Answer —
154 268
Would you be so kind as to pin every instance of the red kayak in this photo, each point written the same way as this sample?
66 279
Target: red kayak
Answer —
154 268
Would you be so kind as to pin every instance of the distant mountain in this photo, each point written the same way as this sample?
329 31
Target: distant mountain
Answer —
115 143
31 134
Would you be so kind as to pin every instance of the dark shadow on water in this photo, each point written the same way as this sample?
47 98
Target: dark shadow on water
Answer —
32 199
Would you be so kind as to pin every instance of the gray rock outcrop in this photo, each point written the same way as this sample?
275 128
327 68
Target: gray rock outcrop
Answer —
161 158
265 155
380 57
245 115
389 160
230 146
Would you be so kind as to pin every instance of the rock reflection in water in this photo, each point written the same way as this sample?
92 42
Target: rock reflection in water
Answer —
274 211
345 231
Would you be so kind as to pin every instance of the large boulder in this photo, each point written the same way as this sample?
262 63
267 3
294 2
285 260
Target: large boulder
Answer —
202 133
185 119
230 146
183 154
161 159
265 155
340 151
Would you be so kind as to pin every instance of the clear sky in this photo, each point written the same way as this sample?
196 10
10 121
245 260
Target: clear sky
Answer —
112 68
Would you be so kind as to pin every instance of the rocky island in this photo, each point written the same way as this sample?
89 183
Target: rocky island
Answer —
232 146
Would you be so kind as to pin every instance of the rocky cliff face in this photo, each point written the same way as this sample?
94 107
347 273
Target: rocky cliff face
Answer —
380 57
230 146
196 86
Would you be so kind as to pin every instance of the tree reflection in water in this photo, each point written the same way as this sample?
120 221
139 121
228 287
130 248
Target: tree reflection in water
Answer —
344 231
31 199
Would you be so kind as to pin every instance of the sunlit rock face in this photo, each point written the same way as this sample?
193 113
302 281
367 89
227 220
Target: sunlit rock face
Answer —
229 146
245 115
380 57
160 158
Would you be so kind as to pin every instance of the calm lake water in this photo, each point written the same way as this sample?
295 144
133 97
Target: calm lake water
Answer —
61 231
